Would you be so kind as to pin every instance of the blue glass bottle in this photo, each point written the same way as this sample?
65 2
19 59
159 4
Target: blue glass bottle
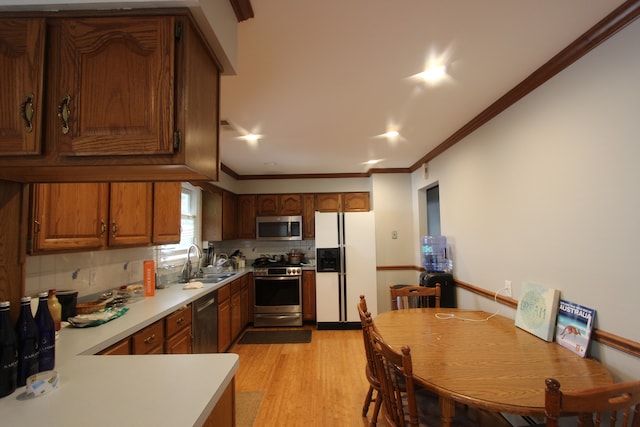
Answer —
8 352
27 333
46 334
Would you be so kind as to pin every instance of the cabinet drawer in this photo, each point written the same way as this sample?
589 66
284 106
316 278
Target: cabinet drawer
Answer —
236 286
148 339
121 348
178 320
224 293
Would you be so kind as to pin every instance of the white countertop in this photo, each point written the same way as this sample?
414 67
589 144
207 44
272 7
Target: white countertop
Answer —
159 390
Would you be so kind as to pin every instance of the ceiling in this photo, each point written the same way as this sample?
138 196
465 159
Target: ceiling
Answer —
321 80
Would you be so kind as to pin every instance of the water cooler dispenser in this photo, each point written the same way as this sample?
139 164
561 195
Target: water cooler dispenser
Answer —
447 288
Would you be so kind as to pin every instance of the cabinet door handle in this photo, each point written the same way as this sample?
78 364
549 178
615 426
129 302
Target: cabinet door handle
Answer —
114 229
64 113
37 226
103 228
26 112
150 339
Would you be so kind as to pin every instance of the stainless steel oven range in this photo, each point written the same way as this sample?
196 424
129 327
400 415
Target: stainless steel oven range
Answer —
277 295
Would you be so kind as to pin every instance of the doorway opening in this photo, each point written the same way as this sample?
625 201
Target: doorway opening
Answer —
433 211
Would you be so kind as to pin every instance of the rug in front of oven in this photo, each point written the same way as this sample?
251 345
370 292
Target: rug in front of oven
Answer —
301 336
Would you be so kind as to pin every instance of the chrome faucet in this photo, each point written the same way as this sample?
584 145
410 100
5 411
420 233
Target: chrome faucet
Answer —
187 268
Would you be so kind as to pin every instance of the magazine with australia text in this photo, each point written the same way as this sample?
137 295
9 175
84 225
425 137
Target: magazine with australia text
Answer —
573 328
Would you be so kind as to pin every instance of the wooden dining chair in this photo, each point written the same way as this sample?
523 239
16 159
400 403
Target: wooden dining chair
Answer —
407 404
414 296
611 405
373 394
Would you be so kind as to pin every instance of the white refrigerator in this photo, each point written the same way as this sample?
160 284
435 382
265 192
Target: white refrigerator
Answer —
345 267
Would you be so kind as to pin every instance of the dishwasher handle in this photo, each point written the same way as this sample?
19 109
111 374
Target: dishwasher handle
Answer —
203 305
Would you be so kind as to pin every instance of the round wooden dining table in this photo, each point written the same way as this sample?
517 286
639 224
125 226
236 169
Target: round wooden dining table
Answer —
487 362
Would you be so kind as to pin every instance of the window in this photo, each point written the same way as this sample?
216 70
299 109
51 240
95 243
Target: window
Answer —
190 225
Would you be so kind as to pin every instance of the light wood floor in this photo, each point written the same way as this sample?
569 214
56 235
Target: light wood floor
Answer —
319 384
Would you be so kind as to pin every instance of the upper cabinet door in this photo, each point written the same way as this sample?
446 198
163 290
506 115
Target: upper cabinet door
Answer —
70 216
130 210
22 64
111 85
166 212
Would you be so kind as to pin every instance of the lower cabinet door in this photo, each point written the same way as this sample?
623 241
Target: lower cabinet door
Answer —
180 343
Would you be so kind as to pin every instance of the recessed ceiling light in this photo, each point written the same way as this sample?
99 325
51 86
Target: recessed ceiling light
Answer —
391 134
251 137
372 161
434 73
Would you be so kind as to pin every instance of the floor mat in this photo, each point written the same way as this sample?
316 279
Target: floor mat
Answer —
247 406
276 337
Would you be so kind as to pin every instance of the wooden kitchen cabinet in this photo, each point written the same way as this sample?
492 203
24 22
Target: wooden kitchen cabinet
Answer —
246 299
356 202
92 216
122 348
69 217
149 340
308 295
343 202
308 216
130 213
224 318
229 213
22 64
246 225
236 308
329 202
279 204
224 413
219 210
101 71
128 97
233 310
177 328
166 212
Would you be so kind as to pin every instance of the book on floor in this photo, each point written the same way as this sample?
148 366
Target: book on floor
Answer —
537 310
574 325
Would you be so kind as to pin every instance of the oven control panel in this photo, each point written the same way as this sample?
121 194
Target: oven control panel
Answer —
277 271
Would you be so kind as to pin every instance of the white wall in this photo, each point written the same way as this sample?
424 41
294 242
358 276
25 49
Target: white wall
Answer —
548 192
391 195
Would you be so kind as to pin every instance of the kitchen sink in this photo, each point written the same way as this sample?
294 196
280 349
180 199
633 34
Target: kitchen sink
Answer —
213 277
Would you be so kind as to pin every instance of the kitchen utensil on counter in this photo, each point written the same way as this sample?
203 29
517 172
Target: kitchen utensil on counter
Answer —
68 300
294 257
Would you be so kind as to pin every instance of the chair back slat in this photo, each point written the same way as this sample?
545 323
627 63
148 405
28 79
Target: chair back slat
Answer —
414 296
618 403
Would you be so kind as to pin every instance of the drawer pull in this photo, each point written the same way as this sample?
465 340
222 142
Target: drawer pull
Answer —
26 112
64 113
150 339
180 321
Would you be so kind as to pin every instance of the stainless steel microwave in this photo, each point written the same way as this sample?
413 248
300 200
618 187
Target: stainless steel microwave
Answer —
279 227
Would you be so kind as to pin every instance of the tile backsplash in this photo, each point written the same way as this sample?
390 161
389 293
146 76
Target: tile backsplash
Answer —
93 272
253 249
86 272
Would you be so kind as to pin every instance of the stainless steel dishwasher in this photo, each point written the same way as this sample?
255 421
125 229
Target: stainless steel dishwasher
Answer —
205 324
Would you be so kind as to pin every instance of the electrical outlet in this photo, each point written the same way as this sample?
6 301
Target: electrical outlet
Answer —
394 234
507 288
